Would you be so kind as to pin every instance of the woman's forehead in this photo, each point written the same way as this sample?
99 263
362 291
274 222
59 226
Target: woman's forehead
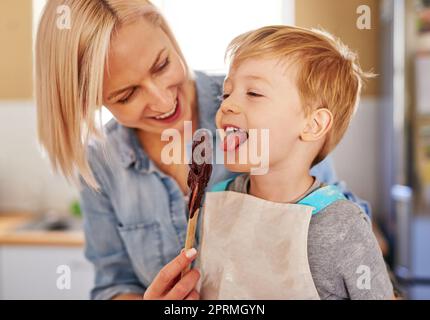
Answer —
133 49
138 38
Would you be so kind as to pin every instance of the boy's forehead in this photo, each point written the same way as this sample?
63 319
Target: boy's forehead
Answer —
231 78
263 69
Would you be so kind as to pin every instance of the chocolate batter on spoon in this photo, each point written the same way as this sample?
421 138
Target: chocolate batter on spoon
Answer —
200 170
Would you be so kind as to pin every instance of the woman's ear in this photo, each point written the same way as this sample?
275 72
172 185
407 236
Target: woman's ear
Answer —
318 124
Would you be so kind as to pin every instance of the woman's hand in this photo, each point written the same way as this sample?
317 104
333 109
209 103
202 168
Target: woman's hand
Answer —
168 285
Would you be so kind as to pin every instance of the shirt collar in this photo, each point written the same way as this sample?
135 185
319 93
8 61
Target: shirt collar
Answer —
208 99
128 146
127 152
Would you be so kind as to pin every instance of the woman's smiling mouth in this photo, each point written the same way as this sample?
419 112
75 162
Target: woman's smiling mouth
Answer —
171 115
168 113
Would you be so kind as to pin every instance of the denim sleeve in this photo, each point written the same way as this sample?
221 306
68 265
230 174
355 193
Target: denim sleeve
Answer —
104 248
325 172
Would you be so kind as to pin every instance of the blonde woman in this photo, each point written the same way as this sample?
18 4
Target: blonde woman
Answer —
122 54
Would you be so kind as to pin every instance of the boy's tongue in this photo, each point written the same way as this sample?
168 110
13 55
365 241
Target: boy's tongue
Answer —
234 140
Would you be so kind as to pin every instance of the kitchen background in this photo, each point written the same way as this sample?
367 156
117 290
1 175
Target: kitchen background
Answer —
384 158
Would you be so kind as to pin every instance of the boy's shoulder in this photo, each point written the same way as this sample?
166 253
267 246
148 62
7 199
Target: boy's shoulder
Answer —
339 220
344 211
335 232
340 244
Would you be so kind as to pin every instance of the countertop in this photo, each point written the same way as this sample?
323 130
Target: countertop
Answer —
10 234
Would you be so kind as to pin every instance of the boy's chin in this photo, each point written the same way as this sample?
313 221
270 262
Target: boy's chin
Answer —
237 167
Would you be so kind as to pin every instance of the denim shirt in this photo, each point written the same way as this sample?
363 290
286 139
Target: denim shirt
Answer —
136 222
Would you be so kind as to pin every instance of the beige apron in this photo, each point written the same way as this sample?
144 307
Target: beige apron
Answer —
251 248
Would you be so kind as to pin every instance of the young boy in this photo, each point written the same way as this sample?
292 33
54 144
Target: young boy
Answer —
303 86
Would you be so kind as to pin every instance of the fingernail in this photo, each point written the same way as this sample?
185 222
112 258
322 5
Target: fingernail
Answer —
190 253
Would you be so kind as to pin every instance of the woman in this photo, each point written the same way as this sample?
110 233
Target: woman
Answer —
121 54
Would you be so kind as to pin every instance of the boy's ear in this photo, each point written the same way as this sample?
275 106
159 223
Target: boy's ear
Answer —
318 124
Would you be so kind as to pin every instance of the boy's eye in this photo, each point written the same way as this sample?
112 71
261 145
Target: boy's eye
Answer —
225 96
253 94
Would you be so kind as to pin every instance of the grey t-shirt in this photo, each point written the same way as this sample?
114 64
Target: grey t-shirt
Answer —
344 257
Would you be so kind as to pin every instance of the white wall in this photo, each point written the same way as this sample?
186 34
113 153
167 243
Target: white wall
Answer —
204 28
357 157
26 180
32 272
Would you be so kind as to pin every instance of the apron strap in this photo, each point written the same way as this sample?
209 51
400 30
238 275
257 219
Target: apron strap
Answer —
222 185
319 199
322 198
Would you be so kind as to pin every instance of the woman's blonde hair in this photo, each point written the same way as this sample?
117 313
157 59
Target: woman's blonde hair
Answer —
69 74
329 73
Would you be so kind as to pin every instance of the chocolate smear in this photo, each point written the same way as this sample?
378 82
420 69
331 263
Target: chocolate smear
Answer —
200 169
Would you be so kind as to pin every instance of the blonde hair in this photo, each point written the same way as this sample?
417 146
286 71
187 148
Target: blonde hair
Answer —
69 75
329 74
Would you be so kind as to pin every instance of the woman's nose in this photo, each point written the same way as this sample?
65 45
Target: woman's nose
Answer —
159 99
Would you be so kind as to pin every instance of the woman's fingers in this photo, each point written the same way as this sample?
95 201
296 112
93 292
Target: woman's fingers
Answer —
194 295
168 273
184 286
172 283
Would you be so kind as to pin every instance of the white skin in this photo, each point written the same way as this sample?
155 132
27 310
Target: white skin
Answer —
261 93
143 60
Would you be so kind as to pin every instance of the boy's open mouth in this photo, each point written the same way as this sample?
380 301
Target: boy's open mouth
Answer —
234 137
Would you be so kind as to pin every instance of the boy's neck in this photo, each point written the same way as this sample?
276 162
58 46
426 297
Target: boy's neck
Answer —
281 185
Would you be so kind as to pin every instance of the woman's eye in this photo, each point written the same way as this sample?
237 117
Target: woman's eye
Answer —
164 64
126 98
225 96
253 94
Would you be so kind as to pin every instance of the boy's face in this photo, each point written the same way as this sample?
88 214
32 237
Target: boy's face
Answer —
260 94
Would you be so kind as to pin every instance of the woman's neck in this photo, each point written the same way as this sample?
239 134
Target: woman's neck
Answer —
285 184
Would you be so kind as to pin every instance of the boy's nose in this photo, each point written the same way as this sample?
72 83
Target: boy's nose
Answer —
229 107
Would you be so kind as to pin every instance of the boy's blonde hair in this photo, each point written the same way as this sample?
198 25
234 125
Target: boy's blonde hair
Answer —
329 75
69 74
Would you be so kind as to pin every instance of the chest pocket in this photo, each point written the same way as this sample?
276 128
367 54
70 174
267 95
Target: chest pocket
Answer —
144 247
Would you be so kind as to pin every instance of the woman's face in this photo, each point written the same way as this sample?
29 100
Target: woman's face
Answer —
145 79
